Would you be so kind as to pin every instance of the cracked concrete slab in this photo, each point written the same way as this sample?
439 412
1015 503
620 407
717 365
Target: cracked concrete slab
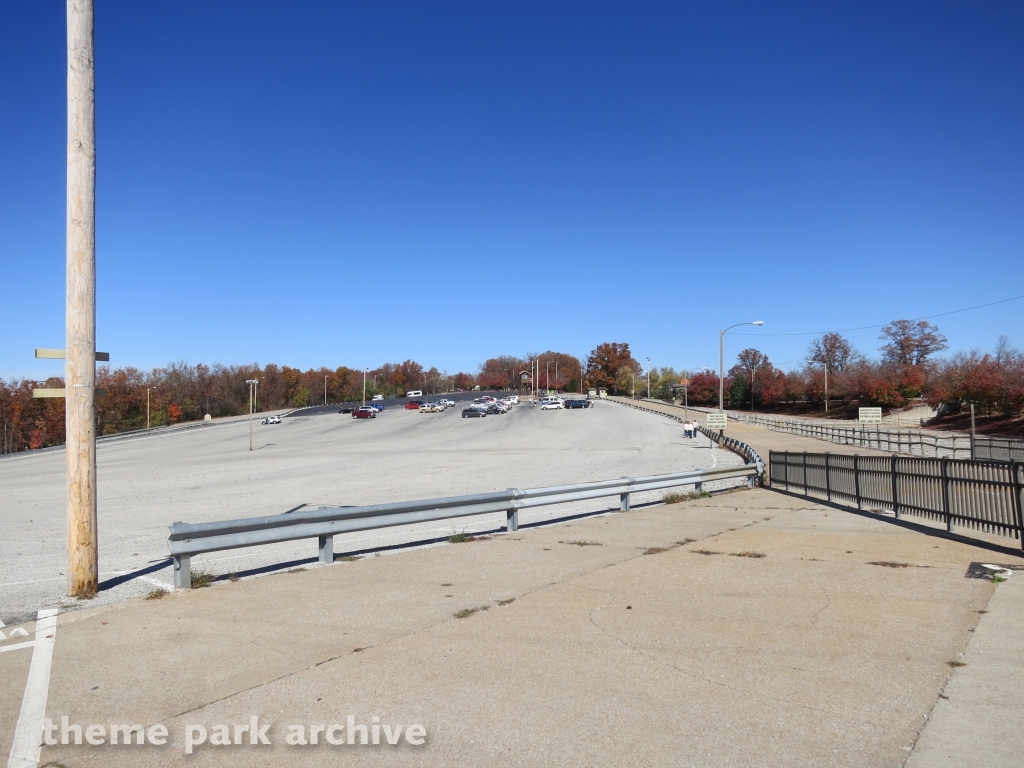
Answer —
585 655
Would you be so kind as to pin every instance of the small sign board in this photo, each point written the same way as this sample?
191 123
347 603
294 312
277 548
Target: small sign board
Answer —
717 421
869 415
684 382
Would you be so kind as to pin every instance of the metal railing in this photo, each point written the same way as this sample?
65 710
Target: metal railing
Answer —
981 495
188 539
745 451
913 442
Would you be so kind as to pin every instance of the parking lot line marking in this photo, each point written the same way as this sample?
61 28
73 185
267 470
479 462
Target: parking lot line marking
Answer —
29 733
17 646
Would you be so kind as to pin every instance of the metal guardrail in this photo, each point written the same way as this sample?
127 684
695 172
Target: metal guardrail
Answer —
188 539
981 495
913 442
745 451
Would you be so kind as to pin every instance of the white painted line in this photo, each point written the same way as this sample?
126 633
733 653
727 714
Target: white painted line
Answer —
29 733
17 646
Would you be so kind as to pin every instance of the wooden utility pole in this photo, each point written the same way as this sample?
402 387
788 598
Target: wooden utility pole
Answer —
80 366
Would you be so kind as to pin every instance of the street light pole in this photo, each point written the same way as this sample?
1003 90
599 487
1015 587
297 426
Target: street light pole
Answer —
364 384
147 406
721 361
648 378
325 390
252 397
825 367
547 377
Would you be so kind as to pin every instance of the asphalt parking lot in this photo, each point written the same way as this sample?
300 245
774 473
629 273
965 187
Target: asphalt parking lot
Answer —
325 459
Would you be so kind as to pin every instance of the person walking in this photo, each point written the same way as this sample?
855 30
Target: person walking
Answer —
687 430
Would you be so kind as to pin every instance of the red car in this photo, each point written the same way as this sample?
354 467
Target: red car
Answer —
413 405
366 412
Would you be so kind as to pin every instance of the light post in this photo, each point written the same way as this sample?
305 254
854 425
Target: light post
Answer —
825 366
648 378
364 384
556 377
325 390
252 396
633 374
547 377
148 389
721 361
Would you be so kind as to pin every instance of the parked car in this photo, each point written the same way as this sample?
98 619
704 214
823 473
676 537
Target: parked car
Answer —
377 397
472 413
430 408
272 420
551 405
376 406
364 412
346 409
448 403
413 405
494 408
575 403
414 393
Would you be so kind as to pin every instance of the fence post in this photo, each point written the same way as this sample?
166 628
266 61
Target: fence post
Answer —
856 477
895 486
511 520
828 480
182 572
945 493
1018 503
325 547
805 474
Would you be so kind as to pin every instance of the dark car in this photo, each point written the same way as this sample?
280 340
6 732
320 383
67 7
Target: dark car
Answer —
345 410
366 412
472 413
413 405
495 408
575 403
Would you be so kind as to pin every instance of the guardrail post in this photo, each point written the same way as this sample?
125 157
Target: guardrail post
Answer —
698 488
945 493
511 520
805 474
624 498
325 546
182 572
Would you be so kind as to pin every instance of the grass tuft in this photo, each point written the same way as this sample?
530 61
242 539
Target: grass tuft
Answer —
705 552
506 602
156 594
684 542
674 497
655 550
348 558
578 543
747 554
295 570
202 578
956 664
889 564
467 612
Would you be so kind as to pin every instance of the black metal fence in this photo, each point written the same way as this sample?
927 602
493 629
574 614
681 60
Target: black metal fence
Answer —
980 495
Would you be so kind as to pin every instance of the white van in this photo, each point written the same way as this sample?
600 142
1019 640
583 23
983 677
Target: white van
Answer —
414 393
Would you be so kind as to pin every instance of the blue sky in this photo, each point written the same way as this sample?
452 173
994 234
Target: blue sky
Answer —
353 183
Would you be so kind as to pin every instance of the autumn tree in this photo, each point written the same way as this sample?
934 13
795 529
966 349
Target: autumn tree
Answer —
910 342
832 351
605 363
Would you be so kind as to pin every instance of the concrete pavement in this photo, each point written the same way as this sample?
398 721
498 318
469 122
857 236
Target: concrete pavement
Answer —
776 638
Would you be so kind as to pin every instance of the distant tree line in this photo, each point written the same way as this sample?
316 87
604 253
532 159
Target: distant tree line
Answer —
907 369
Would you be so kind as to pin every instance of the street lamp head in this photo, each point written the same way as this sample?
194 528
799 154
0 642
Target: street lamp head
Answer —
758 322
